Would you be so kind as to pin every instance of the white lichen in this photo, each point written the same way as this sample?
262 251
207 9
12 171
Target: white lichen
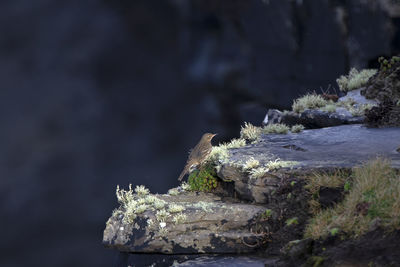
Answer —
123 196
251 163
235 143
150 199
218 155
162 232
258 172
250 132
355 79
276 128
159 204
185 186
174 208
141 190
277 164
162 215
309 101
331 108
173 192
179 218
141 208
297 128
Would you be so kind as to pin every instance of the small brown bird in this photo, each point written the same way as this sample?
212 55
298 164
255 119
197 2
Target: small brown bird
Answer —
198 154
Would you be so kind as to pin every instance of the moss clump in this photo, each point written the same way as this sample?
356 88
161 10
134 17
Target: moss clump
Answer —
373 197
250 164
309 101
355 79
297 128
276 128
250 132
204 180
329 108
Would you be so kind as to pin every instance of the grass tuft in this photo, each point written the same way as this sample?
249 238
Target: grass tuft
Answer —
374 196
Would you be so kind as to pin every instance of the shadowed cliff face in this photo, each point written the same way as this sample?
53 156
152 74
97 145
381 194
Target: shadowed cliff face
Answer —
98 93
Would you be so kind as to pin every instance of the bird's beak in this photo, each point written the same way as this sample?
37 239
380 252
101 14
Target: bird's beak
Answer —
214 135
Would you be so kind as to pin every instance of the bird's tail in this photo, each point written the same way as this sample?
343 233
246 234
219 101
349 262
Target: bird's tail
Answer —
183 173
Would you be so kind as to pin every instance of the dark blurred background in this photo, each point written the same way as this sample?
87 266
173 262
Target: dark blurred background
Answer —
99 93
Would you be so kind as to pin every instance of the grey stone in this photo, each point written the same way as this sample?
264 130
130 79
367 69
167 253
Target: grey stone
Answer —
334 147
211 226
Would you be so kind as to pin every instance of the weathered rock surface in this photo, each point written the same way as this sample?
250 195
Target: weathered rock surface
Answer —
335 147
211 226
317 118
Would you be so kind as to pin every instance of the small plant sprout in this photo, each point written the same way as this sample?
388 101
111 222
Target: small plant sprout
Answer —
334 231
161 215
250 164
292 221
174 208
250 132
267 213
347 186
141 190
276 128
355 79
309 101
179 218
297 128
293 183
173 192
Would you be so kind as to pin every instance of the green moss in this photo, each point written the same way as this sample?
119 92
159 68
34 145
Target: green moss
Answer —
374 194
334 231
292 221
267 213
204 180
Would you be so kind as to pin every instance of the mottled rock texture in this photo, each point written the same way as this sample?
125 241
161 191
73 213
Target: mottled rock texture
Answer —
211 226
